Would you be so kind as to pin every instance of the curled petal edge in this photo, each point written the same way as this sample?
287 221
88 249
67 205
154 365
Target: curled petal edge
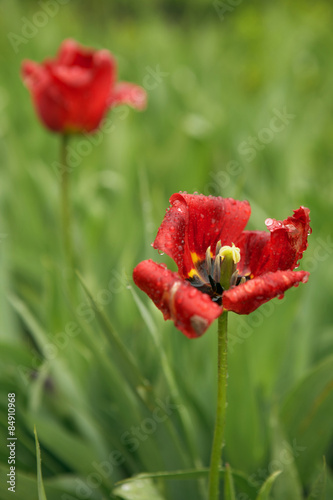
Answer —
191 311
247 297
130 94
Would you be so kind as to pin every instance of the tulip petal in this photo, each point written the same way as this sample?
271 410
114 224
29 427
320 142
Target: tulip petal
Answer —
49 101
72 93
195 222
191 310
280 249
34 76
251 245
128 93
72 53
289 239
247 297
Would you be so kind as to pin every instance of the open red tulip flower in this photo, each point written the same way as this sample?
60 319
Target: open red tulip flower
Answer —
195 232
73 92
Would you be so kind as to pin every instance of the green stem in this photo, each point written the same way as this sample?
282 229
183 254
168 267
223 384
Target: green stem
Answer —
220 409
65 211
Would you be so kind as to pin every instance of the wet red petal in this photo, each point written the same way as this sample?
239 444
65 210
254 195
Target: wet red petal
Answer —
287 244
280 249
191 310
195 222
245 298
251 245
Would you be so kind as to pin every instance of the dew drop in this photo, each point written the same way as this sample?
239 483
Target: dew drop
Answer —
180 248
160 252
280 297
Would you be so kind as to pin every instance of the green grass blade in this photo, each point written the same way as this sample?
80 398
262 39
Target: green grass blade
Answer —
288 485
318 490
308 408
169 377
119 350
138 490
229 487
40 485
267 486
140 386
190 474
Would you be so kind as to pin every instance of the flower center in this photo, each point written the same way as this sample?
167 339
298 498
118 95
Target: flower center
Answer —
217 273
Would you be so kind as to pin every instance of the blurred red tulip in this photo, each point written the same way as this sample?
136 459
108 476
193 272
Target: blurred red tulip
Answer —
73 92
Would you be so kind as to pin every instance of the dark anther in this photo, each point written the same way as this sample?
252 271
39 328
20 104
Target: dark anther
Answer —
241 279
213 283
216 286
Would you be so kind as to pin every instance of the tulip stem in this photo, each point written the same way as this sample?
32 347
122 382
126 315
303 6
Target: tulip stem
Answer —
221 407
65 210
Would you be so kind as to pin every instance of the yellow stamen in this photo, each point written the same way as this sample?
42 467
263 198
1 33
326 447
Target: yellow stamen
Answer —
194 257
193 273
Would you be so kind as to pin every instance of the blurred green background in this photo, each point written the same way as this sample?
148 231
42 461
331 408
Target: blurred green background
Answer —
216 74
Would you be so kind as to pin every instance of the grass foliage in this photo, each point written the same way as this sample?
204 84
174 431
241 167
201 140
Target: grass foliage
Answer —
112 389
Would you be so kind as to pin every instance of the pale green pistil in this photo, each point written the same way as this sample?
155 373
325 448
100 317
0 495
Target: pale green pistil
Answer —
229 258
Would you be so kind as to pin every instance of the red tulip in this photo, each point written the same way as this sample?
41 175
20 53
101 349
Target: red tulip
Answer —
192 233
73 92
